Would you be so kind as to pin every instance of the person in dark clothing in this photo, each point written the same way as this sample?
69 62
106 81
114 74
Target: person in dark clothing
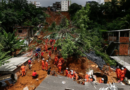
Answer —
48 71
105 78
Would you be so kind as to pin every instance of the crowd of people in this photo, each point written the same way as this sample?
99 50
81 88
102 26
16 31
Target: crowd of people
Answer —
59 61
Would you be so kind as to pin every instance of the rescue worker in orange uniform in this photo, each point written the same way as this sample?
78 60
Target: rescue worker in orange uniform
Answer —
54 41
87 77
51 42
36 54
122 74
55 49
46 41
29 63
72 74
59 60
76 76
59 66
66 72
101 80
34 74
43 64
56 60
118 72
23 70
46 48
91 79
42 53
52 47
49 55
46 64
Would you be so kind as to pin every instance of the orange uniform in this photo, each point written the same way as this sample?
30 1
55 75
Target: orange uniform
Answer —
100 81
56 60
46 41
87 77
23 70
118 72
62 60
66 72
70 76
55 48
122 75
46 65
59 67
43 65
76 76
54 41
91 80
42 53
46 48
50 53
51 42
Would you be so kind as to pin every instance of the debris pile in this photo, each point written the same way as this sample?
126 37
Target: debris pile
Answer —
98 60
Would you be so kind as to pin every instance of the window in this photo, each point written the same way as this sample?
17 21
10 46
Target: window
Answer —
19 31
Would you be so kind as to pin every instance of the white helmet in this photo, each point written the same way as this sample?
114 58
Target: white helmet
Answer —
117 66
43 59
47 60
102 79
122 68
71 71
66 68
90 76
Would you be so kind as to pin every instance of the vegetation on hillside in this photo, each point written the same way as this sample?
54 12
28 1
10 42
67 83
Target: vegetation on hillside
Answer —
74 38
16 12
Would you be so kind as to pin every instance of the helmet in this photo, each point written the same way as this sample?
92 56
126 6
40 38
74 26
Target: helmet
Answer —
122 68
117 66
43 59
90 76
66 68
47 60
102 79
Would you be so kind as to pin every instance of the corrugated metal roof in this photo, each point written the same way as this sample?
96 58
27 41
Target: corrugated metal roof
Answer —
123 60
13 63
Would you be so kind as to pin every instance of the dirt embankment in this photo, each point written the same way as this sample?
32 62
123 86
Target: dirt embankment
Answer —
56 17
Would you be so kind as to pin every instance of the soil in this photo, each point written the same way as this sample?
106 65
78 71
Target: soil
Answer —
80 65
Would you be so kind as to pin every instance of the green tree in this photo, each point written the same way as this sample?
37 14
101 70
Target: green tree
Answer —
73 8
10 41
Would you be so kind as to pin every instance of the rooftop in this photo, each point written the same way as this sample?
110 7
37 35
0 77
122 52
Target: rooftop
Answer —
119 30
13 63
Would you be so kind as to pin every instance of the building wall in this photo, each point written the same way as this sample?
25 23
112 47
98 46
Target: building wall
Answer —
23 34
110 0
65 5
37 4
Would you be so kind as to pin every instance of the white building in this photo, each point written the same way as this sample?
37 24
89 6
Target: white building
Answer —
37 4
65 5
